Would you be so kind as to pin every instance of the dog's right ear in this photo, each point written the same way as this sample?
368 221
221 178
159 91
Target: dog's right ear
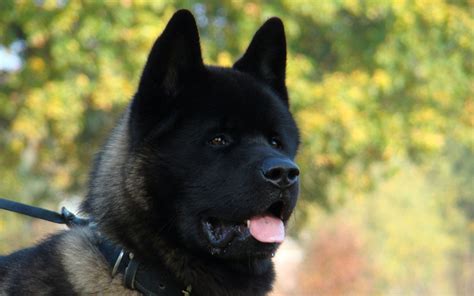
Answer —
174 58
265 57
173 62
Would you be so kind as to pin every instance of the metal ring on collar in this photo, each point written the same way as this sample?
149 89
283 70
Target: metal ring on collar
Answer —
117 263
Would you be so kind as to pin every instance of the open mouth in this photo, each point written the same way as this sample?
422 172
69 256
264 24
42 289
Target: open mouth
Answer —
266 228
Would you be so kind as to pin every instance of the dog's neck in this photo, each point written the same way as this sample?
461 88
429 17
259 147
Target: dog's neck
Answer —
149 279
217 277
204 276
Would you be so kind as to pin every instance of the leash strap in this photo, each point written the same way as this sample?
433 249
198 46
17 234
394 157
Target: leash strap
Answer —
65 217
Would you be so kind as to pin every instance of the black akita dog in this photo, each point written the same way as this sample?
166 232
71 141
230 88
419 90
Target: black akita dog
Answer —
192 191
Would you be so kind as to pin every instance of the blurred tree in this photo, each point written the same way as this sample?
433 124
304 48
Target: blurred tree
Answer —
370 80
407 237
336 263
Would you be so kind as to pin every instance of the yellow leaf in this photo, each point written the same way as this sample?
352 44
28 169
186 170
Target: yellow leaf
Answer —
37 64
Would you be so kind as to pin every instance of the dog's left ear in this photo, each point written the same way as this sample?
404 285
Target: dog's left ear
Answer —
265 57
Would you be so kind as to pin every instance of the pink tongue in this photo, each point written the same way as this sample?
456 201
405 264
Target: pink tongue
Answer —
267 229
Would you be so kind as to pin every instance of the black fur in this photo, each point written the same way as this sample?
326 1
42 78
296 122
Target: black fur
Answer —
159 176
34 271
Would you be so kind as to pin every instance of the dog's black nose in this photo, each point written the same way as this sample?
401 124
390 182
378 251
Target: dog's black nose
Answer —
281 172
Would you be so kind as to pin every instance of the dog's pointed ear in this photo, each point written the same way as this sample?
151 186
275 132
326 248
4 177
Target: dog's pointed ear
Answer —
175 56
265 57
174 61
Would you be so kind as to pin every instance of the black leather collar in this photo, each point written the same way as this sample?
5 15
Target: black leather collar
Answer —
154 280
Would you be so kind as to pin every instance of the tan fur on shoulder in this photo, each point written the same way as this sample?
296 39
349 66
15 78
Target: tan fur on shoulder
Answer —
86 268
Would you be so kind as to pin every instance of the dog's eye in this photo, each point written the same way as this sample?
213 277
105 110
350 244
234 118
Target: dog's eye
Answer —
219 141
276 143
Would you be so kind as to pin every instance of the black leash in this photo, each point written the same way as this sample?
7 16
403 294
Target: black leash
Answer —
66 217
149 280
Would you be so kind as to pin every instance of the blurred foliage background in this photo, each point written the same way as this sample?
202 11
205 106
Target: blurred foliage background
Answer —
382 91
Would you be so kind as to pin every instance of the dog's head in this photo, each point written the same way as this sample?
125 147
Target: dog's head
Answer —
203 158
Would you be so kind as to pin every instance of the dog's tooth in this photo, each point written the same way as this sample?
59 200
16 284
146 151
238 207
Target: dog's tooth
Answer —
248 223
